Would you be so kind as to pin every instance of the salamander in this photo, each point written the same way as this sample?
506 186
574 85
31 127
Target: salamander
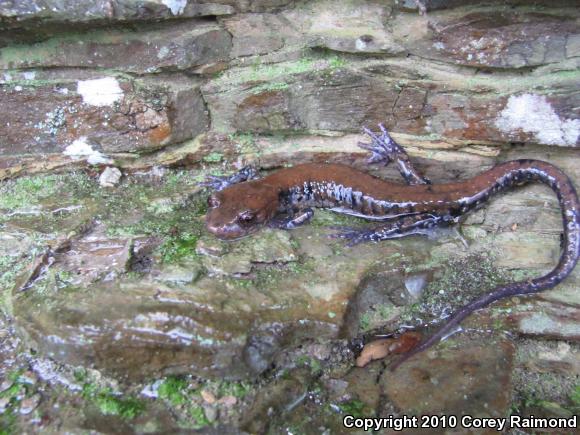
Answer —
284 199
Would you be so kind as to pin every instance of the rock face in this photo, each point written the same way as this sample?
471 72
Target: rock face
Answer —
488 74
110 113
154 48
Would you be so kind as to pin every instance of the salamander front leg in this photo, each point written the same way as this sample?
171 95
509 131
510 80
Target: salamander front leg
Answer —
384 148
293 220
221 182
422 223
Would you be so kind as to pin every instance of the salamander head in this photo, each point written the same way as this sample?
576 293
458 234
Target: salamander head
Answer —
241 209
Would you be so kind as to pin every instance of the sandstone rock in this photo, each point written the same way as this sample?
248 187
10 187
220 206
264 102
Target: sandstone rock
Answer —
178 273
461 379
560 358
431 5
267 343
14 244
526 250
495 37
444 161
100 11
357 43
566 292
492 37
122 81
272 247
114 114
546 320
354 28
173 47
500 119
258 33
317 96
276 398
258 5
534 208
325 100
466 379
95 257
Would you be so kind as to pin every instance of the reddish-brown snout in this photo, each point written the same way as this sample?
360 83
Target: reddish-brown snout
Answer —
240 210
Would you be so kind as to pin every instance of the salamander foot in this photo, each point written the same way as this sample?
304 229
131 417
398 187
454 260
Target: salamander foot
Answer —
293 220
384 148
353 236
220 183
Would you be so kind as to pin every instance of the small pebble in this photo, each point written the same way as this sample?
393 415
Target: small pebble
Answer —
29 404
415 285
110 177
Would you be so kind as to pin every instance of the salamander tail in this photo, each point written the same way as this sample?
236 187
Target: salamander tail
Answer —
507 175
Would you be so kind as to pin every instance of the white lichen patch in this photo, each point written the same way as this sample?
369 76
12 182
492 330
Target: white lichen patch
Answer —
80 149
533 114
176 6
360 44
163 52
100 92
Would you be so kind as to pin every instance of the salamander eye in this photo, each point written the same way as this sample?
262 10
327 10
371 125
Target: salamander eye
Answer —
213 202
246 217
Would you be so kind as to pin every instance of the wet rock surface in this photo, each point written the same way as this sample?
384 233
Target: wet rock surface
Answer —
423 385
136 290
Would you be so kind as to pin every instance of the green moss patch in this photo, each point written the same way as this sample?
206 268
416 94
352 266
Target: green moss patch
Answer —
457 283
17 389
183 395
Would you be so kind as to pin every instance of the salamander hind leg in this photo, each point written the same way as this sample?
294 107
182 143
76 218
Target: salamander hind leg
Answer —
422 223
384 148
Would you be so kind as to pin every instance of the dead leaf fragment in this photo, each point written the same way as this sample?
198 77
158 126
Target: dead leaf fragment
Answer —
379 349
208 397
